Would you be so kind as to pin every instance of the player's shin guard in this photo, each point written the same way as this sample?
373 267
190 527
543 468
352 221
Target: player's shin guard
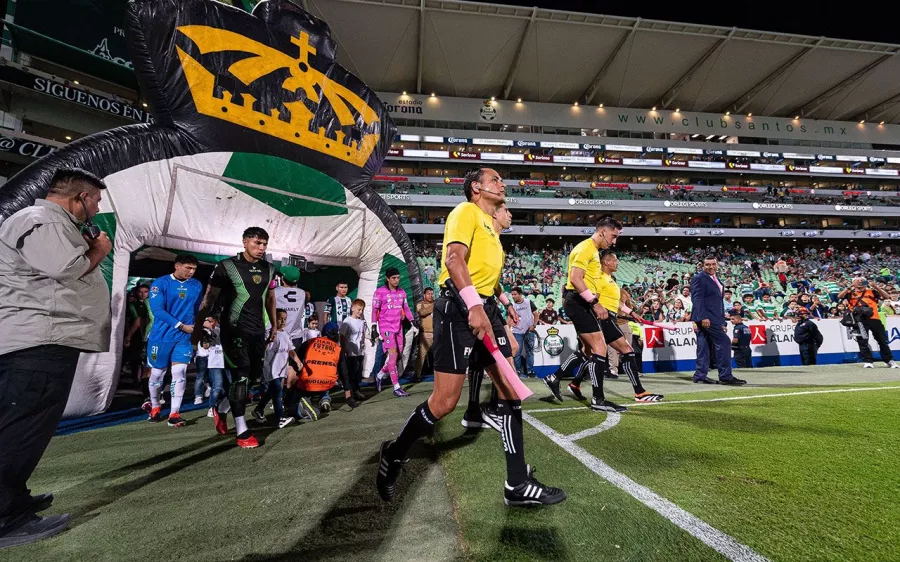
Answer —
476 376
629 365
510 412
419 424
391 367
179 380
597 369
156 381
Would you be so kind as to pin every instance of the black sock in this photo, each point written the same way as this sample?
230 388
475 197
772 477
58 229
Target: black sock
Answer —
568 367
475 379
629 365
510 412
420 424
492 401
577 368
597 369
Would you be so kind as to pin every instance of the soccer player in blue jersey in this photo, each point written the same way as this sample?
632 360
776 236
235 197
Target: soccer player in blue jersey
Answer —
174 300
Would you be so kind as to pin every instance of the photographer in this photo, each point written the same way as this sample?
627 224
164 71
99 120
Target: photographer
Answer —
863 317
54 305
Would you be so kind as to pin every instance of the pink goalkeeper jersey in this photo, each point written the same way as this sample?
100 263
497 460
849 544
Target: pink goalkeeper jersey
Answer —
391 307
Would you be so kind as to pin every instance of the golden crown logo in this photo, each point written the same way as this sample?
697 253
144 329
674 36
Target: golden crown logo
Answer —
552 331
344 103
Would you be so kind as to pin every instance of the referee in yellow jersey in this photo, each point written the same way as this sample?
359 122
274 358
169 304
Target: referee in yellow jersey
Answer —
473 259
588 307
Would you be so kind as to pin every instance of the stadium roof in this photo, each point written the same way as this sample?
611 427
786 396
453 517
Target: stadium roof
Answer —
478 50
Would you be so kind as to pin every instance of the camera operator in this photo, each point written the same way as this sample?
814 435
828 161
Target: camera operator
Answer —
54 305
863 300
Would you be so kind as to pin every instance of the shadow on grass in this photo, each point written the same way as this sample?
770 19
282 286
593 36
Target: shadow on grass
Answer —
518 542
101 493
359 522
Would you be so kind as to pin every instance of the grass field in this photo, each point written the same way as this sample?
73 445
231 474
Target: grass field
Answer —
806 476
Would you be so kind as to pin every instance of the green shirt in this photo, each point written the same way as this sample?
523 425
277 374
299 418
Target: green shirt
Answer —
747 288
768 308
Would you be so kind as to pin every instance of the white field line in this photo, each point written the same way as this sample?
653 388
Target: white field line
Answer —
612 420
712 537
728 398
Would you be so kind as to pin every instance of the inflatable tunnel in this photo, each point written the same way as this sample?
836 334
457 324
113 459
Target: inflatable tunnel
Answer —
255 125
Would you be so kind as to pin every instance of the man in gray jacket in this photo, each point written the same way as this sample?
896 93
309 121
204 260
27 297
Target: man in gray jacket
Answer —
54 305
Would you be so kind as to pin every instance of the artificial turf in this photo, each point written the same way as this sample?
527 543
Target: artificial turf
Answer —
808 477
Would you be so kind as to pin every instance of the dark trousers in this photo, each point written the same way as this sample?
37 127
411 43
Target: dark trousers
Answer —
350 371
880 335
742 357
713 337
809 354
34 388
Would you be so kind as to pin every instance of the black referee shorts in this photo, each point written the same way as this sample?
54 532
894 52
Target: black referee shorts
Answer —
586 322
454 346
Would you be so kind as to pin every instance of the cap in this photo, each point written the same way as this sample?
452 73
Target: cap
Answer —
391 271
290 273
802 311
331 331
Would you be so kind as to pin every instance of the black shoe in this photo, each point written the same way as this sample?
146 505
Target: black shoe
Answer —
259 416
531 375
359 395
490 416
388 471
607 406
29 528
40 502
705 381
352 403
733 381
472 420
554 388
576 391
531 492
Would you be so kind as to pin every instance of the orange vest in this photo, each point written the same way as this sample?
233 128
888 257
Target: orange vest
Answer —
320 366
867 298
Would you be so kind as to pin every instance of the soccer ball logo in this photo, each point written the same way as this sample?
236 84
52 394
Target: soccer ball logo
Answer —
488 113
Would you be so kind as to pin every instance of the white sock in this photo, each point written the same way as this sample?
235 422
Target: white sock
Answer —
156 380
396 386
179 381
240 425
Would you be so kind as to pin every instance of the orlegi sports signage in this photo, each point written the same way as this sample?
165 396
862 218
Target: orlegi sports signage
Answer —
61 90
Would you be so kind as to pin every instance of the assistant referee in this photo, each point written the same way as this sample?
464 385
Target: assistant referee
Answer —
473 258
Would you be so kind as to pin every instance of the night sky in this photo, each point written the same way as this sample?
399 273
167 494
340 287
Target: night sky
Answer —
865 21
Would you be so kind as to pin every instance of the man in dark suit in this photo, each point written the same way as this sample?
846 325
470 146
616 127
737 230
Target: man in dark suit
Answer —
708 313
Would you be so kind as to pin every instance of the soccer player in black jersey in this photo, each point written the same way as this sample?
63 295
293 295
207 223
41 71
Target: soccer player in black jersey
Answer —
242 286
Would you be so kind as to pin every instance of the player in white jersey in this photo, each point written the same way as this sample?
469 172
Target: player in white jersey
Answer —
292 300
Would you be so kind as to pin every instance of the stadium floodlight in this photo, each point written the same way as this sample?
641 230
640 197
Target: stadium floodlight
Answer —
518 100
575 104
709 137
863 122
493 98
727 113
881 123
404 92
796 117
434 95
749 115
677 110
695 135
654 108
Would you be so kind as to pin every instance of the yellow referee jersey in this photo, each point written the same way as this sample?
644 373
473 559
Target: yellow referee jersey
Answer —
586 257
609 293
468 224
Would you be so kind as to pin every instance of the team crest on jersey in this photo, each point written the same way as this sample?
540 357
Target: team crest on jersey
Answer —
257 279
182 295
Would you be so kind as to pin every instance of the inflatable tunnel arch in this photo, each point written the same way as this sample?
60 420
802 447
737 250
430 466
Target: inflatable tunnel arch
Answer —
255 126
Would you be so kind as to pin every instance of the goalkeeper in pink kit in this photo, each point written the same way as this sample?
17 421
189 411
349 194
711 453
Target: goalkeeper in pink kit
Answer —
389 307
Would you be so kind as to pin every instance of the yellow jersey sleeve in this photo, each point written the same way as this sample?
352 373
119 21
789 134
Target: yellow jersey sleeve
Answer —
585 256
608 293
467 224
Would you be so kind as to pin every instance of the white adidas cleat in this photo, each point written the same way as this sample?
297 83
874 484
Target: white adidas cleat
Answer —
868 366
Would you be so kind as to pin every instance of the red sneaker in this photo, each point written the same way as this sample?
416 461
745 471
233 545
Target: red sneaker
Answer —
155 416
176 421
221 421
147 406
248 443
